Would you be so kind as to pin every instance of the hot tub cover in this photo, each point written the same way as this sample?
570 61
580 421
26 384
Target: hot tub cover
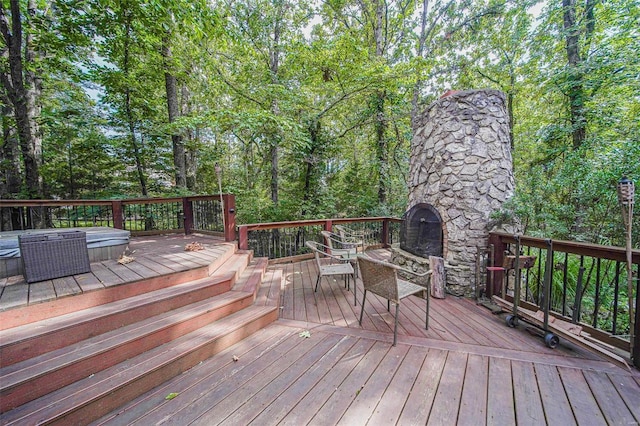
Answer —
97 236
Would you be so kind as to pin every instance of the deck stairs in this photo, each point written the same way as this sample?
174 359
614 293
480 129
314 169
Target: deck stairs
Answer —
77 366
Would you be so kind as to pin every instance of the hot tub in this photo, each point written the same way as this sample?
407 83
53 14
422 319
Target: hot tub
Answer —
103 243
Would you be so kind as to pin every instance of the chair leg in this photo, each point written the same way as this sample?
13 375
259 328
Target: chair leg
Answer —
317 282
395 327
388 305
426 322
355 286
362 310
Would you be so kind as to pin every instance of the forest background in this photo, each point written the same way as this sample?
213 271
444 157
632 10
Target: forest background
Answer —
307 105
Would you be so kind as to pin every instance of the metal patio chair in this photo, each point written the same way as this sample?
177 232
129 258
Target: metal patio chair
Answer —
381 278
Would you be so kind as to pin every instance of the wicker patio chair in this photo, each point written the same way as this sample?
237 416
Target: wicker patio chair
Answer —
349 236
381 278
331 265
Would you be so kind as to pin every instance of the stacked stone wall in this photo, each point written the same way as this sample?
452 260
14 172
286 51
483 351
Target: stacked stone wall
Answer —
461 164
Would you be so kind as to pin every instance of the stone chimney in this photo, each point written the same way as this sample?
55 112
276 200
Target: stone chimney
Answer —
461 165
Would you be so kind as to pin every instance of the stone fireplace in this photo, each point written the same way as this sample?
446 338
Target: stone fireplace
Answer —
421 231
460 172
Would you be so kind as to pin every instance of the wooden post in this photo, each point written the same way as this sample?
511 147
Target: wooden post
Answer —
636 342
243 238
187 211
229 203
438 279
385 233
116 210
498 260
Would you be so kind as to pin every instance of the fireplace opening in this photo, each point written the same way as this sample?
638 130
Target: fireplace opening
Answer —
421 231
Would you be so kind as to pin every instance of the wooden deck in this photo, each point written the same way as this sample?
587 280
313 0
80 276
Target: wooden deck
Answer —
468 368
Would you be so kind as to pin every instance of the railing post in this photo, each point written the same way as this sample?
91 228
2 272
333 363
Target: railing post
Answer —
116 210
385 232
243 238
636 341
187 211
328 225
229 203
498 260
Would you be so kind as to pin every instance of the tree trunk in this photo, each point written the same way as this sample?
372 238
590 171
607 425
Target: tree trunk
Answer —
23 88
173 107
274 65
575 91
191 147
129 112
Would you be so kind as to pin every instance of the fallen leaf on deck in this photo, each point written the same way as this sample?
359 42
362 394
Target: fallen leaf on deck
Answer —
125 259
171 396
306 334
194 246
235 358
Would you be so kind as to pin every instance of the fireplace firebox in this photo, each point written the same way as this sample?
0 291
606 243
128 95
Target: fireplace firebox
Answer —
421 231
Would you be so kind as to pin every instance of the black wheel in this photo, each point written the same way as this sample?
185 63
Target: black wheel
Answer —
551 340
511 320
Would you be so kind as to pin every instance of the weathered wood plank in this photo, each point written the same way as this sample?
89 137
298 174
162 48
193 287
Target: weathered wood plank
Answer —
613 407
500 404
393 401
41 291
447 401
14 296
420 400
308 406
105 275
254 404
367 399
66 286
334 408
629 391
473 403
527 397
242 394
584 405
304 384
554 399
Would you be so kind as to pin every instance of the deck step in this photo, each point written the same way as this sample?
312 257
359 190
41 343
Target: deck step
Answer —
94 396
34 339
32 378
106 292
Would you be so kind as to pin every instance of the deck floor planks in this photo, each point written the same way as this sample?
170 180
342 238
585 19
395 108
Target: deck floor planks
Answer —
41 291
88 282
311 304
14 296
321 305
287 291
198 399
554 399
365 402
66 286
191 385
266 396
157 267
105 275
388 410
299 303
288 399
334 408
447 400
500 407
473 405
613 407
420 399
122 271
308 406
238 395
583 404
528 406
629 391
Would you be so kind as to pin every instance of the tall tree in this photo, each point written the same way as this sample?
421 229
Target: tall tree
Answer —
22 85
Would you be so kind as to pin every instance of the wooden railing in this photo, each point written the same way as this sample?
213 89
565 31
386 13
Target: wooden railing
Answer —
286 240
588 284
202 213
